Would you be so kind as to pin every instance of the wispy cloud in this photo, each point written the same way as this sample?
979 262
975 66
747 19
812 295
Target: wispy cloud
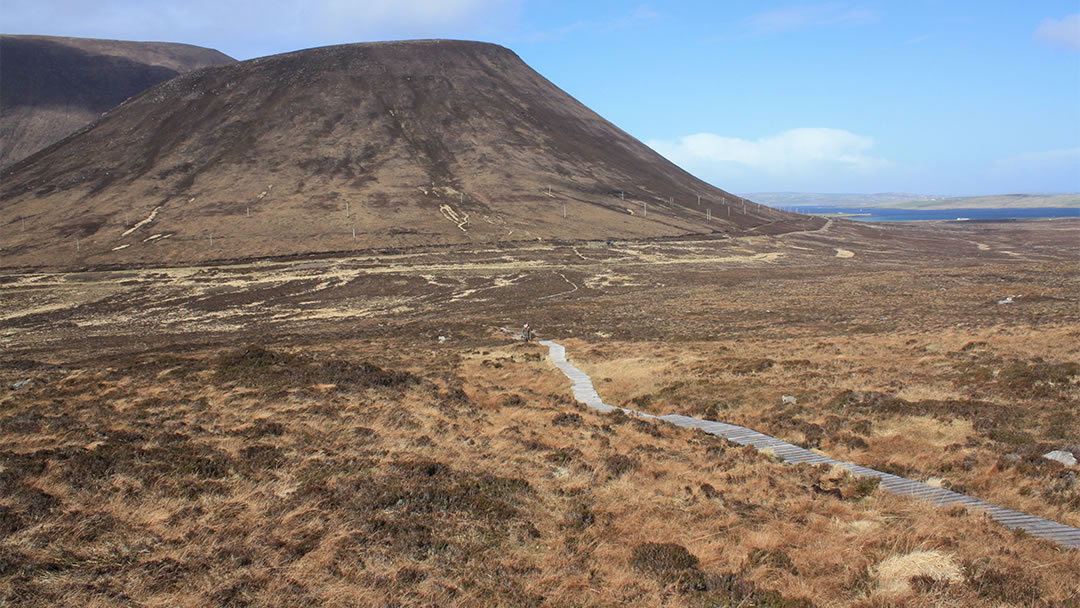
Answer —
1050 170
1061 33
638 16
644 13
558 33
791 155
641 14
801 17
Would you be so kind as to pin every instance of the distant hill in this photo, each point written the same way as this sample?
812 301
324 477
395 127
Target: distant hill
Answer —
901 200
997 201
349 147
50 86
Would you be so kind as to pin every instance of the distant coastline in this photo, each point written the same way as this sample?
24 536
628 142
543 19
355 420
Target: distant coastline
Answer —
889 214
842 214
905 200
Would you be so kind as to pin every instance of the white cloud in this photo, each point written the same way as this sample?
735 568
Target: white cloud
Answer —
795 18
1060 33
807 154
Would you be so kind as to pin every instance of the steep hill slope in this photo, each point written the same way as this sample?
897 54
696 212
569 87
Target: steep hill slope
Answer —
51 86
351 147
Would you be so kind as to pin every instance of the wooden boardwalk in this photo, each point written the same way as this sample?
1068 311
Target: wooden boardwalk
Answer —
584 392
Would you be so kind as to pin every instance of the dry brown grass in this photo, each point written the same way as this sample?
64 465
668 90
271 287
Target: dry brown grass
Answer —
972 406
350 456
903 575
219 479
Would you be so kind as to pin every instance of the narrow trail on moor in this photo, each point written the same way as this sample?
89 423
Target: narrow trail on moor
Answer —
584 392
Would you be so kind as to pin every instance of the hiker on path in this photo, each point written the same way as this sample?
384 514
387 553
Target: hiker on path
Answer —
526 333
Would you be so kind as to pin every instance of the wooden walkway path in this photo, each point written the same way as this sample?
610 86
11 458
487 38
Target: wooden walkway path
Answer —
584 392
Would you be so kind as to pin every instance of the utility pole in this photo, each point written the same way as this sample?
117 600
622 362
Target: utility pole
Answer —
564 211
708 214
347 209
644 209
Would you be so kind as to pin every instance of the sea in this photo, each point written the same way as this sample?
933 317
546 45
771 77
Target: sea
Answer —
876 214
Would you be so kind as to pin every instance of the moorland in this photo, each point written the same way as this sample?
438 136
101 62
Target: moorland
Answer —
367 430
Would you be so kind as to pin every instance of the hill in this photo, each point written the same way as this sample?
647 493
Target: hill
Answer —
996 201
843 199
903 200
53 86
352 147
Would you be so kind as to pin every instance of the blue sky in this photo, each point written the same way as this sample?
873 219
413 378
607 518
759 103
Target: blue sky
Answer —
927 96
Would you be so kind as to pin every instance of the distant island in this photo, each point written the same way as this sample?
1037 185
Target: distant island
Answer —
904 200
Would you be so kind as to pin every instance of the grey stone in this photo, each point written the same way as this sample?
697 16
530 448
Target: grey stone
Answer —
1061 456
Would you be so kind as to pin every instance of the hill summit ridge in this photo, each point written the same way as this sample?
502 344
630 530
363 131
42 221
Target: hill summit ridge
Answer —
389 144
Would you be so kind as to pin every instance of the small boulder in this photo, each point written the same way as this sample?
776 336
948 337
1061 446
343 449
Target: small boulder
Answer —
1061 456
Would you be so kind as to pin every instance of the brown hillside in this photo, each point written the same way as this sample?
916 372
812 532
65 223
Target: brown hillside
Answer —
351 147
51 86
